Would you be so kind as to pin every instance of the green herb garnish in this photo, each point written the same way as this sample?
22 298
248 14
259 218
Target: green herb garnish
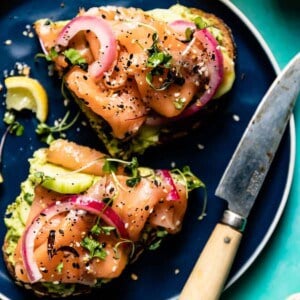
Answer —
47 132
121 242
158 60
200 23
192 182
110 166
131 168
98 229
160 234
52 54
189 34
60 267
179 103
14 126
74 57
94 247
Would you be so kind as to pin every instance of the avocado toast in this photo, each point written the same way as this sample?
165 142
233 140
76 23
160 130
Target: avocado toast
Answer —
141 77
82 216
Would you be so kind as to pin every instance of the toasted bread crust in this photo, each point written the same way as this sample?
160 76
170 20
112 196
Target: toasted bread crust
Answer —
9 265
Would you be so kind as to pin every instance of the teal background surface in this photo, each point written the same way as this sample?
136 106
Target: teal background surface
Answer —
276 272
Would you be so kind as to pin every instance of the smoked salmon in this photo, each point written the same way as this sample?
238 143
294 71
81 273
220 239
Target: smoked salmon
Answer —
78 236
135 73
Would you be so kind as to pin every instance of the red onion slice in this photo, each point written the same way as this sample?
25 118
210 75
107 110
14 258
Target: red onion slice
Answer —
215 71
214 65
167 177
108 50
98 208
180 26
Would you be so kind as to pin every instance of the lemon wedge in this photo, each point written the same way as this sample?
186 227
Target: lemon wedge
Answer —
26 93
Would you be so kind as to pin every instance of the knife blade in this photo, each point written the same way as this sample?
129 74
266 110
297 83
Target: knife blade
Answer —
241 183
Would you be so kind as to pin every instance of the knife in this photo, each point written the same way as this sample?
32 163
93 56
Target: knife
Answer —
241 183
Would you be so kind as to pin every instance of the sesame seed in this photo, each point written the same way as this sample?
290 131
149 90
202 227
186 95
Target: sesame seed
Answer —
134 276
114 268
236 118
176 271
66 102
8 42
200 146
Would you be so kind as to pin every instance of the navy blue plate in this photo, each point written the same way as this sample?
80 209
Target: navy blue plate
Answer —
157 272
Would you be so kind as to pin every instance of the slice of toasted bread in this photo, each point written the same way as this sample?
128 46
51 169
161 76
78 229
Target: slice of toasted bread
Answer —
153 133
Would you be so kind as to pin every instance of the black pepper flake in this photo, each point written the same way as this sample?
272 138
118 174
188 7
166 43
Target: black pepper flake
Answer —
76 265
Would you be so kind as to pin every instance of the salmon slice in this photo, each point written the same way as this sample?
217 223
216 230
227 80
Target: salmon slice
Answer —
74 157
122 109
169 214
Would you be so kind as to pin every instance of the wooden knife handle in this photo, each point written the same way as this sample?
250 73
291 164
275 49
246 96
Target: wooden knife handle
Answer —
211 270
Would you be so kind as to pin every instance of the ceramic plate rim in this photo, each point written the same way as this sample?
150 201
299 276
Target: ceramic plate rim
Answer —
292 134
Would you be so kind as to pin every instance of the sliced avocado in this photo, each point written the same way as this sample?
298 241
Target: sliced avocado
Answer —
228 78
61 180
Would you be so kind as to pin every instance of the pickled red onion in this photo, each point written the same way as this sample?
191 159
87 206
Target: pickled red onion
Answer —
214 65
101 28
167 177
75 202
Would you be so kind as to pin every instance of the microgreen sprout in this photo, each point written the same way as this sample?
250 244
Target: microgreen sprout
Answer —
13 127
95 248
158 61
130 167
47 132
192 182
122 242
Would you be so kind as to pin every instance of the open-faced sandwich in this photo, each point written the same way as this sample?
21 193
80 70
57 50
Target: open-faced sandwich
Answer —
82 216
140 75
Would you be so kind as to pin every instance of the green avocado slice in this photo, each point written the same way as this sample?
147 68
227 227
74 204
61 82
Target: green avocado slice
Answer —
61 180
